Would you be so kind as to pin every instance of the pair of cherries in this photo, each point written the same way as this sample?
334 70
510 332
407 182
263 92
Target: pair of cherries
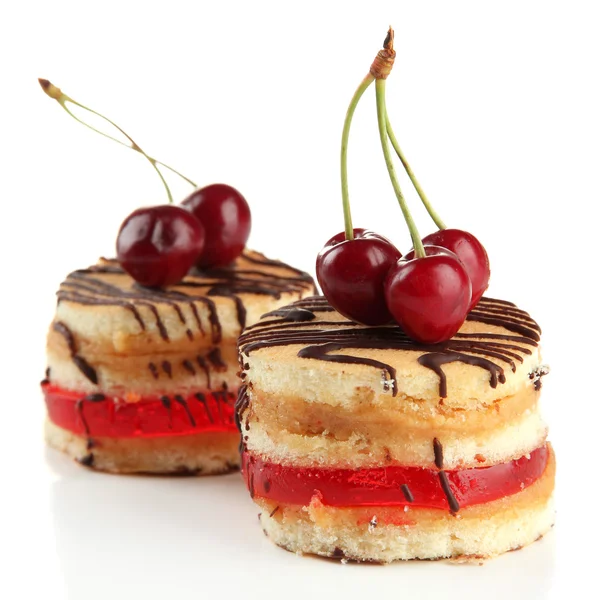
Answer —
158 245
368 280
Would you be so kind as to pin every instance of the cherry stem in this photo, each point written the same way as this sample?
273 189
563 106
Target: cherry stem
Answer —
383 135
134 146
432 213
366 82
57 94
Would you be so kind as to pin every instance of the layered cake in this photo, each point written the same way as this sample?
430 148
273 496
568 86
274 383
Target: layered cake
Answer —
145 379
362 444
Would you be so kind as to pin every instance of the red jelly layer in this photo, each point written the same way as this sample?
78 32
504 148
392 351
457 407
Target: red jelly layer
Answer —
390 486
149 416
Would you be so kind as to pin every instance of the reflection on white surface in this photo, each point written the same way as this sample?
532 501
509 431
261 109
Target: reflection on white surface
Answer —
121 536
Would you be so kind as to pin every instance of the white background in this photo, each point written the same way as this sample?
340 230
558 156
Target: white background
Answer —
496 105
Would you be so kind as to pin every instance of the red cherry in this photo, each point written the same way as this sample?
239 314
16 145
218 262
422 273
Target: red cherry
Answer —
225 215
158 245
351 274
429 297
470 252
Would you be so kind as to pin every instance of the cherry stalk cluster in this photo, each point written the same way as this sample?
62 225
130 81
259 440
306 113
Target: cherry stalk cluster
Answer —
429 290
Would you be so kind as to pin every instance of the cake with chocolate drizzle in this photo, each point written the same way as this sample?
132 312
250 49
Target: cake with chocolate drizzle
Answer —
361 443
396 417
142 353
145 379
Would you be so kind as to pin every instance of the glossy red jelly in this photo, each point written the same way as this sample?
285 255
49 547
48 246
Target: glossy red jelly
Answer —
148 416
383 486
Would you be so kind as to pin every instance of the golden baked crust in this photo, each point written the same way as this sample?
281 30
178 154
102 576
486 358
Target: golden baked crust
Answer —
208 453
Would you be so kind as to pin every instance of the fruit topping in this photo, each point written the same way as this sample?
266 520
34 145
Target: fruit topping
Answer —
351 273
226 216
158 245
428 292
429 296
470 252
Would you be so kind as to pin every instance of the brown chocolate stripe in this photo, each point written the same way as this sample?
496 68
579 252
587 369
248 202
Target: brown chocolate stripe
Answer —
93 287
80 362
327 340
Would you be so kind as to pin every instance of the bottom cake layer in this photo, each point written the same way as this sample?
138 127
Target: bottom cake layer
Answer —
205 453
386 534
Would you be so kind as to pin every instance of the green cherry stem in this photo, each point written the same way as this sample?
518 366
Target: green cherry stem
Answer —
432 213
380 68
57 94
366 82
383 135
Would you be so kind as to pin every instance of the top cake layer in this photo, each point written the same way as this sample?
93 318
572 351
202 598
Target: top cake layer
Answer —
107 324
495 353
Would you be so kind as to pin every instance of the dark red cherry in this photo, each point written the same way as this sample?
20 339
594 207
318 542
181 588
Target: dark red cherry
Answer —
225 215
470 252
429 297
158 245
351 274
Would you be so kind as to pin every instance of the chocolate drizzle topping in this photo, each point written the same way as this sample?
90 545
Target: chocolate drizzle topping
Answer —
79 409
181 400
189 367
87 460
46 377
438 453
241 404
407 493
153 370
216 360
452 502
536 376
202 364
202 398
328 340
166 367
292 314
80 362
106 284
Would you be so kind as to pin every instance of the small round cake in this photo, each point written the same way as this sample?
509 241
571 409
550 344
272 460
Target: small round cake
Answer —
145 380
359 443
